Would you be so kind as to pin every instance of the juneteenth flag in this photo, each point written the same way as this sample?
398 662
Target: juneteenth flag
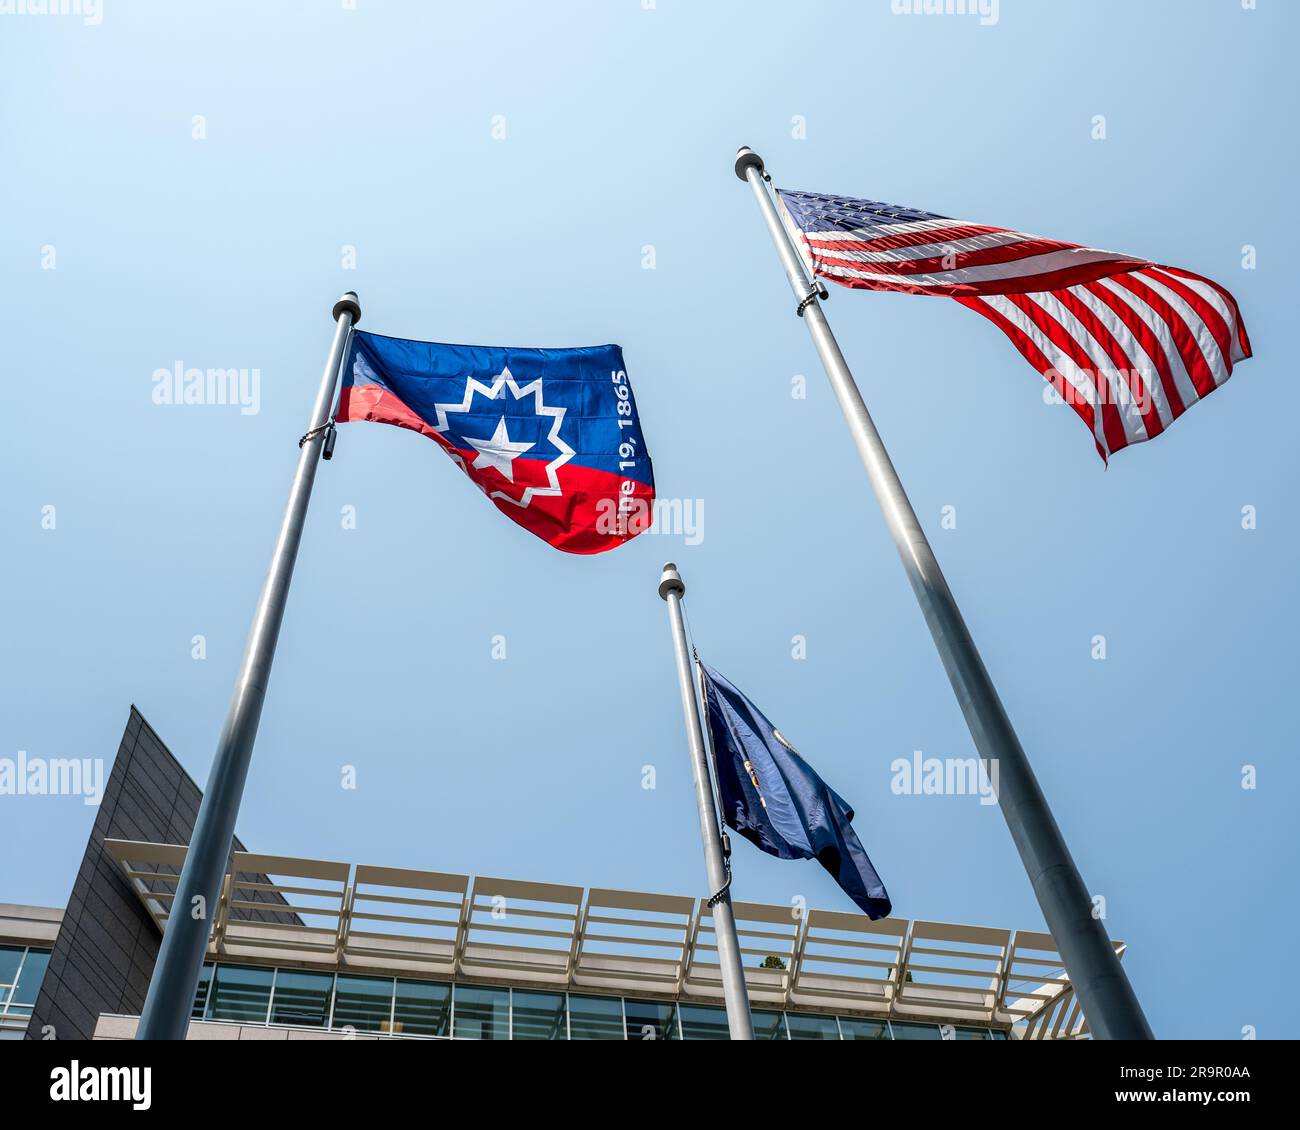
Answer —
1128 344
551 436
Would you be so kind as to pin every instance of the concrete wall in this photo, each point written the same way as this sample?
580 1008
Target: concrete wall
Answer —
106 947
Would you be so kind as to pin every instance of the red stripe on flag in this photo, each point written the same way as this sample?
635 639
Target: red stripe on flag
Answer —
955 261
1022 284
909 239
1207 313
1039 361
1198 369
1124 366
1112 426
1242 339
1146 337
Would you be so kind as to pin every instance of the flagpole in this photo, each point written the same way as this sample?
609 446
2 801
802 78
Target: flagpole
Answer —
1095 972
734 991
175 978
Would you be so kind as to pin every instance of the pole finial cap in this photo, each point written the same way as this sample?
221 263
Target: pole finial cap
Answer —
671 581
349 303
746 158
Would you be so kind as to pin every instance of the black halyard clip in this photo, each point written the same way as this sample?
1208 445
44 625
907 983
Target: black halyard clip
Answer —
717 897
331 434
818 291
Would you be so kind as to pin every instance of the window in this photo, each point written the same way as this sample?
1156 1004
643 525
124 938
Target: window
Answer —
700 1022
538 1016
812 1027
595 1018
863 1029
21 971
240 992
481 1013
201 993
768 1025
364 1004
915 1031
29 980
11 960
301 998
422 1008
650 1020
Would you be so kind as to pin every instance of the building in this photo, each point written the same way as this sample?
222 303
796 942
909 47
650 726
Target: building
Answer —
318 949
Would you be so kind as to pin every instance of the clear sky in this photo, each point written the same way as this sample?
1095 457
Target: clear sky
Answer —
378 127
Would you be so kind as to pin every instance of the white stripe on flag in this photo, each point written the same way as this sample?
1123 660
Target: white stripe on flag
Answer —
1143 362
925 250
1060 361
883 231
1199 330
1158 326
1130 415
1028 268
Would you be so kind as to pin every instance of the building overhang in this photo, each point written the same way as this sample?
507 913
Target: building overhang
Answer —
323 914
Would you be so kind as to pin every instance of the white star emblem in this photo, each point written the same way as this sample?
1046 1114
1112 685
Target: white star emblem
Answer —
498 451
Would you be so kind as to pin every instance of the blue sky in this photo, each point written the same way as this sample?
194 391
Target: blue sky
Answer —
374 128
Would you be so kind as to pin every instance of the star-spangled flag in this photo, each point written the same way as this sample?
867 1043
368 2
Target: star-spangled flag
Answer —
551 436
776 800
1130 345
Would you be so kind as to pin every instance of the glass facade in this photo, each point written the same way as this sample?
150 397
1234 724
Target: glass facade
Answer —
421 1008
856 1029
538 1016
813 1027
768 1025
650 1020
240 992
301 999
435 1009
916 1031
595 1018
363 1004
700 1022
22 968
481 1013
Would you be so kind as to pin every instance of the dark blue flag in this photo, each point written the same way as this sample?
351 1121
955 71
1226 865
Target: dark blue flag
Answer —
772 796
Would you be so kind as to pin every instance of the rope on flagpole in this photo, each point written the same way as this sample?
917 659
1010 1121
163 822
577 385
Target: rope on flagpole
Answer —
718 896
818 288
331 433
818 291
325 427
725 839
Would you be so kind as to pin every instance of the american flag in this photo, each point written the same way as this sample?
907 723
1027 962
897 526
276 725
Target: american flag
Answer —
1128 344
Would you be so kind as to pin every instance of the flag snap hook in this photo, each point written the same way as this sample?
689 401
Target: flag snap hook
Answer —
818 291
326 427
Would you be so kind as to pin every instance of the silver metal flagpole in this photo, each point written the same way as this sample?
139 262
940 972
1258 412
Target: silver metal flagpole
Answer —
734 992
1095 972
167 1006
